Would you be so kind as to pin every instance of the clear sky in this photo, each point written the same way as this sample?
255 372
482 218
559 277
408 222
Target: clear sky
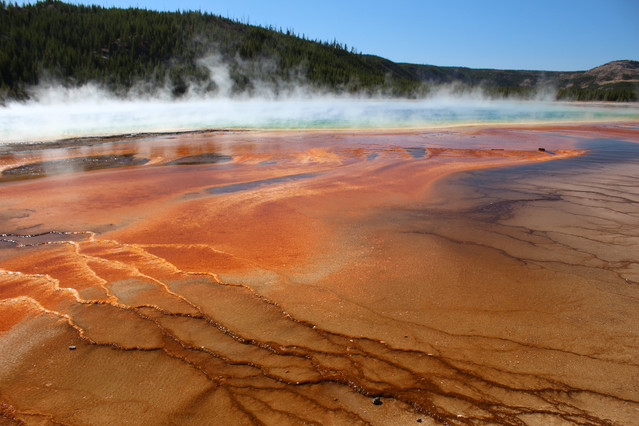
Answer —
554 35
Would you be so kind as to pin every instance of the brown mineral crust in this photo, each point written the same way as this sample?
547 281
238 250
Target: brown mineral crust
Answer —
309 274
193 257
59 261
13 312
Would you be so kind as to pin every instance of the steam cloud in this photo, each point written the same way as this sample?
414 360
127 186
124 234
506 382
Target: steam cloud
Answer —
56 112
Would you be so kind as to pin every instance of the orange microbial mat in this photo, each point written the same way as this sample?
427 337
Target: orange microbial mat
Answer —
461 276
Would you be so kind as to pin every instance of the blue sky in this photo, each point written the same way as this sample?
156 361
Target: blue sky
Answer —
554 35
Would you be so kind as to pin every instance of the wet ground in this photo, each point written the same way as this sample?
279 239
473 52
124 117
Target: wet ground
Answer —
458 276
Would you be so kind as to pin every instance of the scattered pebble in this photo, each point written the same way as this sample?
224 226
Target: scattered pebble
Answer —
72 348
377 400
419 420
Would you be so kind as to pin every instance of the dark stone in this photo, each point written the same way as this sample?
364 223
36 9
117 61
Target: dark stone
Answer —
377 400
542 149
419 420
72 348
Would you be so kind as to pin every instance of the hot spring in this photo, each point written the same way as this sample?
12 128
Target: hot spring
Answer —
90 113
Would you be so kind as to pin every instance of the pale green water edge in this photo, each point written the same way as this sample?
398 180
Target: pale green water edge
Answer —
28 122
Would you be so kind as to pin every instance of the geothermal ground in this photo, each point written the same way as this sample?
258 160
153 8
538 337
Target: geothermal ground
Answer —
455 276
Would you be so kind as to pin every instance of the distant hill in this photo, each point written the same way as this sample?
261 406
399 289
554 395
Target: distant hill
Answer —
134 51
617 80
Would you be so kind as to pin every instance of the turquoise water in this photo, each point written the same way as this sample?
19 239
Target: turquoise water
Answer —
97 116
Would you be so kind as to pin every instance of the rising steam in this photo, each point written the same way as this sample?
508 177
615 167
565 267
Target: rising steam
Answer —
57 112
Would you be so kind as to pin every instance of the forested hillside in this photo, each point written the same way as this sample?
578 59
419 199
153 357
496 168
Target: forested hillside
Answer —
141 50
121 48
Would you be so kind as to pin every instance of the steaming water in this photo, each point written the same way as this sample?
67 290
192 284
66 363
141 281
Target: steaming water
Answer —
58 117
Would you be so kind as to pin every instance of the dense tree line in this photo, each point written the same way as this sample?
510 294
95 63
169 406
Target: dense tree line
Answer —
619 92
123 49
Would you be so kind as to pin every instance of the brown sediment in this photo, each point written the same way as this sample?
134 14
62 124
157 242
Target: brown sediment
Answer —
310 272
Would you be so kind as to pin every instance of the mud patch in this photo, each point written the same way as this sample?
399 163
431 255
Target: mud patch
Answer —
71 165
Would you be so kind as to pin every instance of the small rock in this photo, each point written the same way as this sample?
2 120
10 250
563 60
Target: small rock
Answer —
542 149
419 420
377 400
72 348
